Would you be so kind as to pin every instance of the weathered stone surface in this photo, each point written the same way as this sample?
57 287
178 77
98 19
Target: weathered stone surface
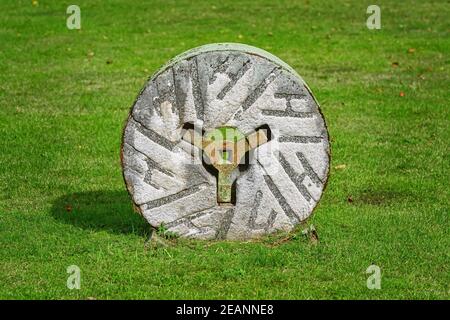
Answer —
225 85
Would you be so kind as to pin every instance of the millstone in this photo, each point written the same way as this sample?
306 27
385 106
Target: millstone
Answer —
226 141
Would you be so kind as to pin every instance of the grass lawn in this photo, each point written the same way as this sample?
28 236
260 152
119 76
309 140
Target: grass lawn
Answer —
64 97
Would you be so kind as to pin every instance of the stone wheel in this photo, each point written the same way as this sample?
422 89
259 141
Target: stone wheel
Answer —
225 86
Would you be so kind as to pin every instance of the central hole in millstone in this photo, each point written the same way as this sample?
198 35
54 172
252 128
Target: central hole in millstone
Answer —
226 154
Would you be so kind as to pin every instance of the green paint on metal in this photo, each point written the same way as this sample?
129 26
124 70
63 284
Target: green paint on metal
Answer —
225 147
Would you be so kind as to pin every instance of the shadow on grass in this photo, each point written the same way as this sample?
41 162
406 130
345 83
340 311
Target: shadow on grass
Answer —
111 211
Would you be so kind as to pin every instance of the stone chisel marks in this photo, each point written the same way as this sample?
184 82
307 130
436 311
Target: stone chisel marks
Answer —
173 197
254 211
152 165
308 169
281 200
152 135
270 220
188 219
288 112
224 227
165 89
254 214
234 79
176 92
300 139
259 90
196 90
296 178
221 68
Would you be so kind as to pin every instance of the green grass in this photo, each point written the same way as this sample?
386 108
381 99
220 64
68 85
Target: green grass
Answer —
62 109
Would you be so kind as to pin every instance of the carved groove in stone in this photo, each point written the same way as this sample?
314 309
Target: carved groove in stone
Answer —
224 227
196 90
254 214
260 89
234 78
172 197
152 135
281 199
301 139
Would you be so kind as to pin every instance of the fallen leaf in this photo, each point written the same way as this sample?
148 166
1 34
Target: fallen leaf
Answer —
394 64
402 94
68 208
411 50
340 166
